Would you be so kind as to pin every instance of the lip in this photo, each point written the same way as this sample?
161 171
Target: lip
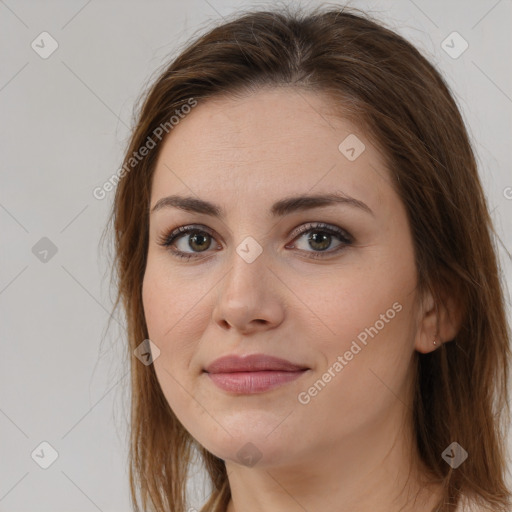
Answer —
254 373
252 363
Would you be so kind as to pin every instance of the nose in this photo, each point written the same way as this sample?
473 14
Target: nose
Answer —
249 297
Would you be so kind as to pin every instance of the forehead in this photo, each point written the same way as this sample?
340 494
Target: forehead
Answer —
265 145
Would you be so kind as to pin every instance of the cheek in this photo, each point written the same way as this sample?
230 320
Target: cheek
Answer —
170 303
174 320
167 313
370 301
162 314
158 299
367 364
371 320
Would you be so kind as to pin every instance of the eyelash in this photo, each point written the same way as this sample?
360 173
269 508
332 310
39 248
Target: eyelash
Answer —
167 239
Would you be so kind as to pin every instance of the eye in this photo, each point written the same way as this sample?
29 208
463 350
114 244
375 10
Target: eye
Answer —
320 238
199 239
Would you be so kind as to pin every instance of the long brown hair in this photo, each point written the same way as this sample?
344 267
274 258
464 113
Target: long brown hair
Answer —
387 87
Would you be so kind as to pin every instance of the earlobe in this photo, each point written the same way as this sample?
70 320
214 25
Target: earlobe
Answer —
427 340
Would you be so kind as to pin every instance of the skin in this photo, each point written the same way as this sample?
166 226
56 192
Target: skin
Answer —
244 154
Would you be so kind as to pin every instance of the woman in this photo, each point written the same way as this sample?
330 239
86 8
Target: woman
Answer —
302 234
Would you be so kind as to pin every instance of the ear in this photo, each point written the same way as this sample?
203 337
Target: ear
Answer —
437 320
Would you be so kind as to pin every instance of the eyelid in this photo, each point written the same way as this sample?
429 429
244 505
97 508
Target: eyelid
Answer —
308 226
169 237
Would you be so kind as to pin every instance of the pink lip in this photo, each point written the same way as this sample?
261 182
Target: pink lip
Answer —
252 374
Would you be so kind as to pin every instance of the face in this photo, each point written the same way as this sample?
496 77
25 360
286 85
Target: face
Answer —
328 286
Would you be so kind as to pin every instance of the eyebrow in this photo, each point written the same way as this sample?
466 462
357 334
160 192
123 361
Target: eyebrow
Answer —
279 209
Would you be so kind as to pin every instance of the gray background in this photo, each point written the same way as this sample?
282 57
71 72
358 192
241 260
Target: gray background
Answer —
65 123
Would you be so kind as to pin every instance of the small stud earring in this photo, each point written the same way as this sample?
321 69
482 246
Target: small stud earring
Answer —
435 343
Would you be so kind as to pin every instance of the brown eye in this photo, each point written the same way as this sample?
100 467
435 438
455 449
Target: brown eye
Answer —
188 240
319 240
320 237
199 241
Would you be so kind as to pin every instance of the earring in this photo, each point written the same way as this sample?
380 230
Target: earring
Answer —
435 343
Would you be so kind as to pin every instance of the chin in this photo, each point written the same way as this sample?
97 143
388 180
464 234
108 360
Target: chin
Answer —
261 451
